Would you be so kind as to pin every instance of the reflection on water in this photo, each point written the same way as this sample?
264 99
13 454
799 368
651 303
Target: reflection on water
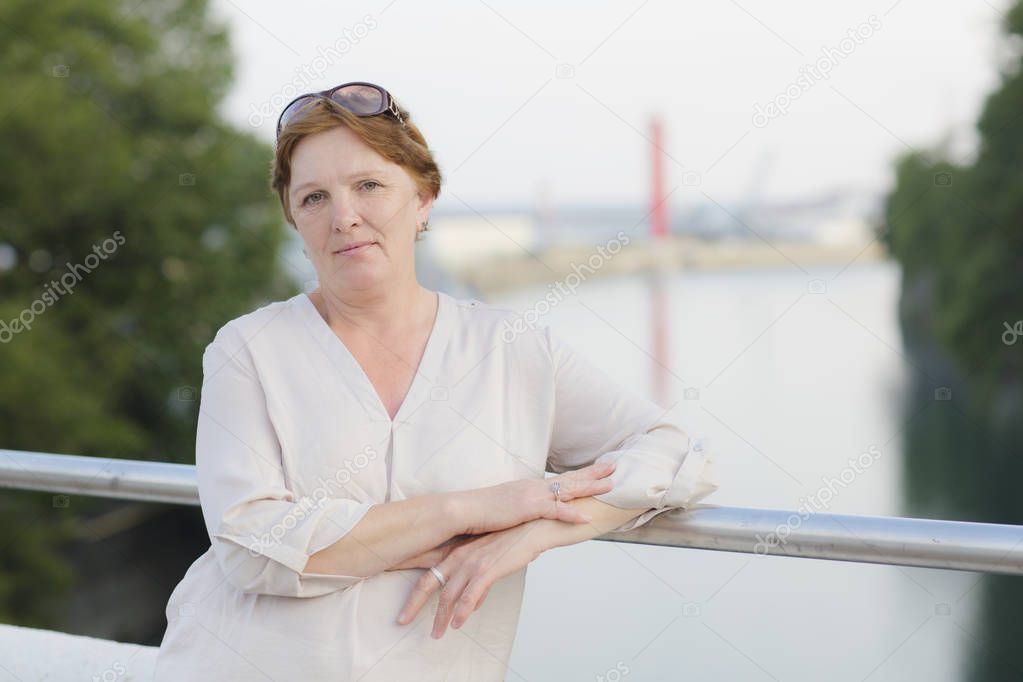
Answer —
963 464
790 375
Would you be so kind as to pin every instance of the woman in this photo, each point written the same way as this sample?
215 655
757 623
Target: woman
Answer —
371 455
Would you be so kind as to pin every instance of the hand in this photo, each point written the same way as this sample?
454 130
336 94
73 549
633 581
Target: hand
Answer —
516 502
470 570
432 557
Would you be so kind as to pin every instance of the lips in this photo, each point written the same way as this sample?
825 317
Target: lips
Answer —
353 245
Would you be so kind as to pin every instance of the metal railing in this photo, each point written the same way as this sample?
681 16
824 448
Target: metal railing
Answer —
957 545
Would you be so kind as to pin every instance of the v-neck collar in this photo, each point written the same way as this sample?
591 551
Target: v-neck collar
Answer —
425 374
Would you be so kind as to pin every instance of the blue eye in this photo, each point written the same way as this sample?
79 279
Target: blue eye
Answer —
309 196
371 182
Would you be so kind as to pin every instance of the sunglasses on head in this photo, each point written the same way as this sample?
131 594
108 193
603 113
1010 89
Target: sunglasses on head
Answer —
362 99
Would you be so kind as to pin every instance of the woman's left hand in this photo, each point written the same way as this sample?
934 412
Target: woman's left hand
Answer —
470 570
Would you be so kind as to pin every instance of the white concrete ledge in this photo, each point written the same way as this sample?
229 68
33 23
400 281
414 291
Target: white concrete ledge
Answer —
29 654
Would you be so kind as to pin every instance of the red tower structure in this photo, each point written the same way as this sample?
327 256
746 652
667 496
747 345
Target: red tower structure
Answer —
659 208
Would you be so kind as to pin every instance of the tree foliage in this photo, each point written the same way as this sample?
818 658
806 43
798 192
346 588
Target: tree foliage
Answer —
957 230
114 154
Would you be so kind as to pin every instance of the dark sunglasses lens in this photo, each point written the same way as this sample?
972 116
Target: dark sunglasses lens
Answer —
360 99
294 108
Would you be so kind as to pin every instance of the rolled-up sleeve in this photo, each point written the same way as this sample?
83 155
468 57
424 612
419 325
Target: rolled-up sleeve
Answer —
261 532
658 466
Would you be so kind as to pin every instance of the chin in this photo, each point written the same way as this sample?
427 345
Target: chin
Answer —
356 281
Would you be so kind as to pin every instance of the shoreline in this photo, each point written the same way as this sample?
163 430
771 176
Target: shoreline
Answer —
500 274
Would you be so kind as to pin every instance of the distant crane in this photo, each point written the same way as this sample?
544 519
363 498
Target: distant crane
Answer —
749 210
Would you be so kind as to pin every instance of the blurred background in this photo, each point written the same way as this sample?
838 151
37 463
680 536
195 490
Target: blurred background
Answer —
798 225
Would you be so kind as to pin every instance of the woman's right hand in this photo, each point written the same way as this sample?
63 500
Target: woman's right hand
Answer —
515 502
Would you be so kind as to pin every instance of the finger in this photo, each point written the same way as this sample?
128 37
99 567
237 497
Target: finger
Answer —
586 489
560 511
425 586
592 471
597 487
469 601
578 489
568 513
482 599
446 604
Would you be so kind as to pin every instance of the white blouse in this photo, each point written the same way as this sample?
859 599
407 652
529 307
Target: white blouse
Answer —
294 446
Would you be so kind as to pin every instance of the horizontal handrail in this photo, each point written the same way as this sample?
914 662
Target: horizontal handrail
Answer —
99 476
929 543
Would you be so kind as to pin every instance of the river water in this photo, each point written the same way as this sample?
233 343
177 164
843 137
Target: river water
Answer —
789 374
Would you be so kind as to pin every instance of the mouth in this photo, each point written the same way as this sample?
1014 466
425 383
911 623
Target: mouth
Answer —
354 248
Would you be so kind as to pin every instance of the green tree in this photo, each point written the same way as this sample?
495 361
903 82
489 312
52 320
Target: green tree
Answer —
957 230
110 140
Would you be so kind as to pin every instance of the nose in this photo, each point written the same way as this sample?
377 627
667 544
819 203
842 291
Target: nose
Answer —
346 215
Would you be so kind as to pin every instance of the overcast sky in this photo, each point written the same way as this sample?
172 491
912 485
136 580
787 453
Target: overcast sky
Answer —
517 96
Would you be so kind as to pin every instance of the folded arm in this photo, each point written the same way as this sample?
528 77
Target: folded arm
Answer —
594 419
266 538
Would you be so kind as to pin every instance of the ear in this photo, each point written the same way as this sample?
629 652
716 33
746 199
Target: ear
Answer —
425 203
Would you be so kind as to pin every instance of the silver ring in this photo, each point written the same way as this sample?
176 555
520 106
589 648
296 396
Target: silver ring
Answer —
440 576
556 489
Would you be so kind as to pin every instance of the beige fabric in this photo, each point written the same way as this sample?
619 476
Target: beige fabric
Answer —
294 445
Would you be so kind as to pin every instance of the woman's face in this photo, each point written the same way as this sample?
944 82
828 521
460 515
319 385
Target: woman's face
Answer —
343 193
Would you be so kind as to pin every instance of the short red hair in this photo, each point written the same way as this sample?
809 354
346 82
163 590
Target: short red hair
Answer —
403 145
